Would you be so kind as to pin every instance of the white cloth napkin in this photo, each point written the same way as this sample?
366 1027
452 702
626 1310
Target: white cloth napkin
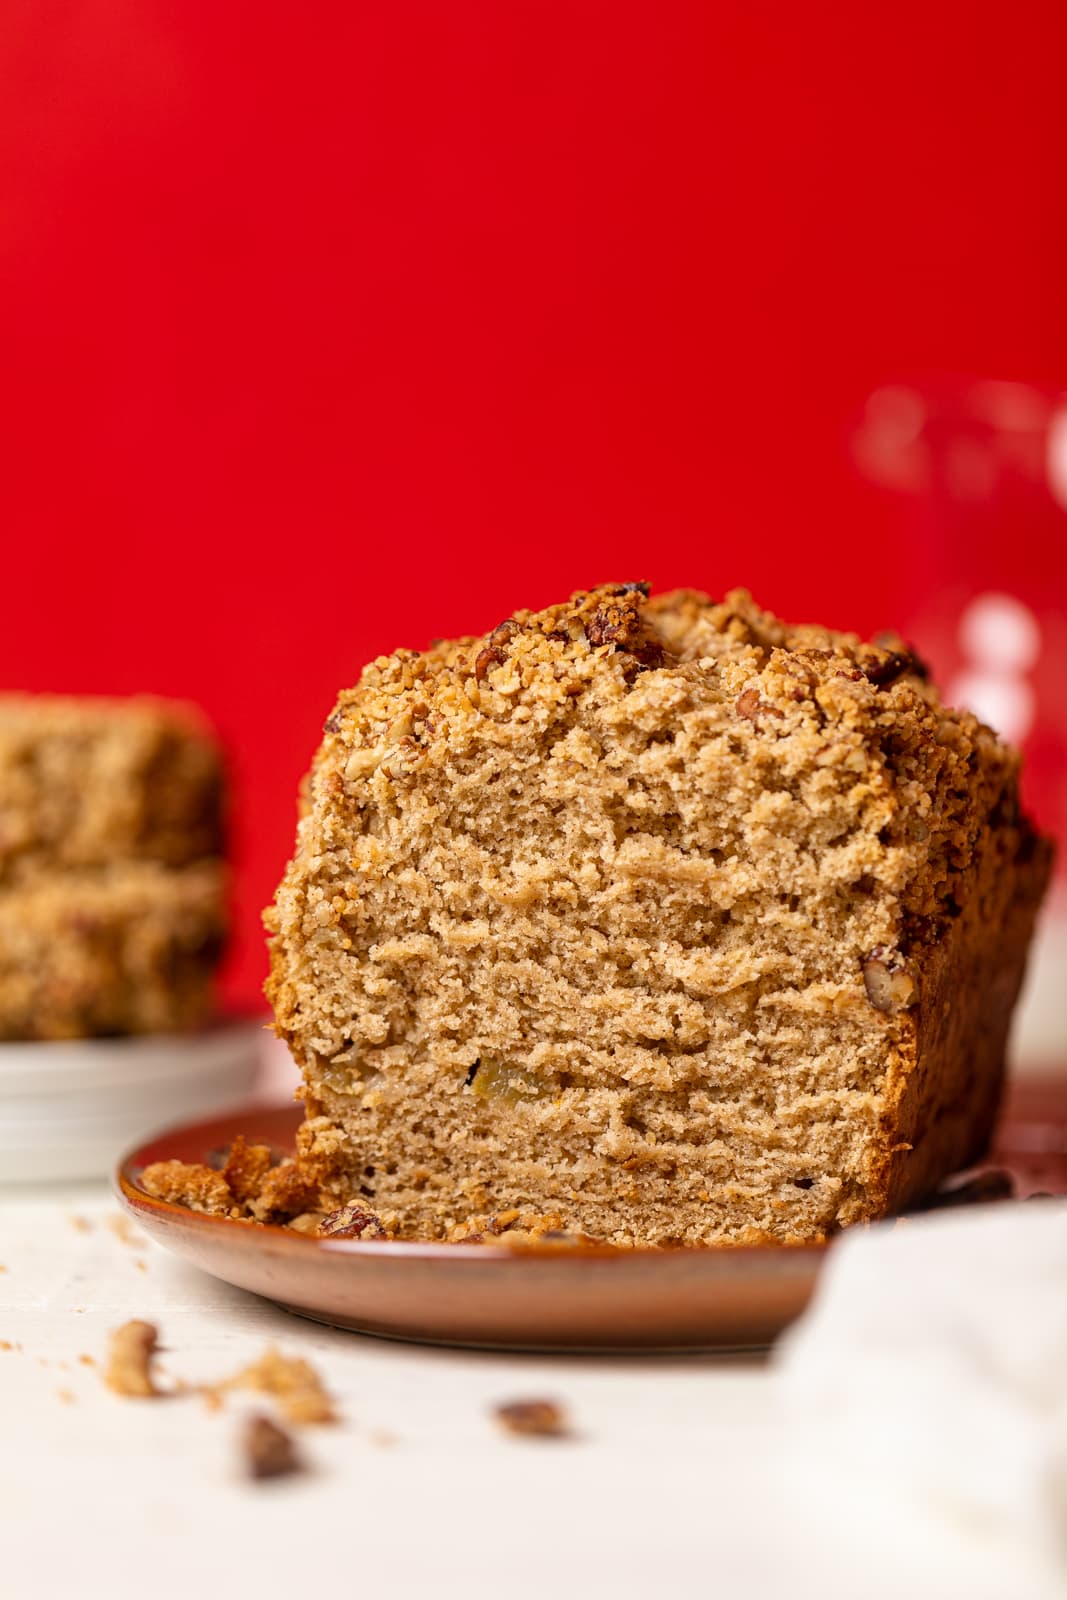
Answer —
928 1379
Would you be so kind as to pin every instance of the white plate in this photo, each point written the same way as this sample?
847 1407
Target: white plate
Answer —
68 1108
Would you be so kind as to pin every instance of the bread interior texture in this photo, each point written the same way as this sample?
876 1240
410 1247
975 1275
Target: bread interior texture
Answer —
661 919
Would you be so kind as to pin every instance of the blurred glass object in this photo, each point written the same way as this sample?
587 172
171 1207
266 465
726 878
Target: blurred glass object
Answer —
978 472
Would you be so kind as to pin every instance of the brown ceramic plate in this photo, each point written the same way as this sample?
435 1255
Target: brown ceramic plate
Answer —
500 1298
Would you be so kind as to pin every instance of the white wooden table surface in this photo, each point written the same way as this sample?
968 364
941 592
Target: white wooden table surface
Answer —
682 1477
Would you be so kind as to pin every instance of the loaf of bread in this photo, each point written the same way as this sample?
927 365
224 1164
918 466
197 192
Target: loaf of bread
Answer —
127 949
88 782
112 883
659 919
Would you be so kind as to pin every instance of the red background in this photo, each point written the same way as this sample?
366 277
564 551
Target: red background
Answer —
329 328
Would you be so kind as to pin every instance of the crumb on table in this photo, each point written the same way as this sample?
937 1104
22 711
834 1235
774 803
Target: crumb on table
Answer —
536 1419
129 1361
291 1381
268 1451
124 1230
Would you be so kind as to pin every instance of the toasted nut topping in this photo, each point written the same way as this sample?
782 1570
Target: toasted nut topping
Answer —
487 658
494 654
539 1419
884 664
618 621
352 1222
361 763
748 704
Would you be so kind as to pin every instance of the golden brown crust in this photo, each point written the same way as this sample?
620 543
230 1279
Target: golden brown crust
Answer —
642 912
946 1089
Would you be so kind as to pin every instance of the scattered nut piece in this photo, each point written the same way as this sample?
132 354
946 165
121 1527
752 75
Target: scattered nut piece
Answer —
889 987
268 1450
80 1224
292 1382
535 1419
129 1361
87 1360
